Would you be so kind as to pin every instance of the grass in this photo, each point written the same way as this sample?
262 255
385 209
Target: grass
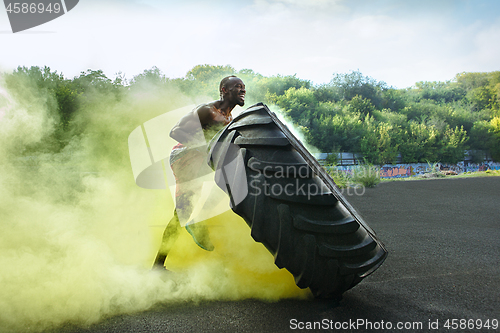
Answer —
487 173
341 179
367 175
474 174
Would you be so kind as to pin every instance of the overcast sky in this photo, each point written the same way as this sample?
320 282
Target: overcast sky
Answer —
399 42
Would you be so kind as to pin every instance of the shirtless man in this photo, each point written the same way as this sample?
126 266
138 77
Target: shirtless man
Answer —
188 160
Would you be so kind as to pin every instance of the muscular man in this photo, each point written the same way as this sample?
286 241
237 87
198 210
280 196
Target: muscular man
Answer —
188 160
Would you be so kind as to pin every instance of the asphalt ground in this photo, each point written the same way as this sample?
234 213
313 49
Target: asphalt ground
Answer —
443 238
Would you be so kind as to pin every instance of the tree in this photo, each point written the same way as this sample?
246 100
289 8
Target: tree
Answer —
207 73
495 142
418 143
67 102
481 98
152 76
93 79
394 99
50 92
298 104
202 79
441 92
453 145
347 86
379 142
361 105
264 88
340 131
483 89
471 80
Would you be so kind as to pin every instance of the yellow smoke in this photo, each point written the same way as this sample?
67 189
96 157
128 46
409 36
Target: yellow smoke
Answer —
78 237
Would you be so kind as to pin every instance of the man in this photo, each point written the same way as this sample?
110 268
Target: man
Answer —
188 160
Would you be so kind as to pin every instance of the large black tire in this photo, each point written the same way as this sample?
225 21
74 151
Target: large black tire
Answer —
318 237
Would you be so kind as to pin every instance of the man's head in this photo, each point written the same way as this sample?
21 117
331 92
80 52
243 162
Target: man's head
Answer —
233 90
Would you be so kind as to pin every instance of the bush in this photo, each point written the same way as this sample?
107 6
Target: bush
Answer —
366 174
433 171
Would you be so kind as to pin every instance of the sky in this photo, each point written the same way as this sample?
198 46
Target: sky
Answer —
398 42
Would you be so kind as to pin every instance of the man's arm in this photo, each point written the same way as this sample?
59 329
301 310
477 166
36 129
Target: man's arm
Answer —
190 128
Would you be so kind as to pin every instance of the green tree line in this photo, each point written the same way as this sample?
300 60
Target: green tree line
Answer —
430 121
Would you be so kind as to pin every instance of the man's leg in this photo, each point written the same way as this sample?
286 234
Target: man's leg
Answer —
185 169
200 234
186 195
169 237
